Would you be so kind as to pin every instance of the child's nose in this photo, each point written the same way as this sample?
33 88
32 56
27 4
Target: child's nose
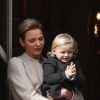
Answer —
66 54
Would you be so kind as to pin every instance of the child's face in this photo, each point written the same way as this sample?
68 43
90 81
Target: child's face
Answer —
64 52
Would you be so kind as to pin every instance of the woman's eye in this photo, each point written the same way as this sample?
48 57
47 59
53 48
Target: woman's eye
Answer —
41 39
31 40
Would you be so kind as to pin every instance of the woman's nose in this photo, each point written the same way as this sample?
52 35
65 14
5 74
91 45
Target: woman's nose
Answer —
38 42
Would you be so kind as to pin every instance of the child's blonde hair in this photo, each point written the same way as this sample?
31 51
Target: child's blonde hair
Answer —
62 39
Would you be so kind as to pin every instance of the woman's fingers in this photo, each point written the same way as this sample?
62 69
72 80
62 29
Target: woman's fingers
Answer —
48 96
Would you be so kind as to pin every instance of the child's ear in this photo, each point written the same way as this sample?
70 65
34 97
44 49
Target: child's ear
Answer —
21 42
53 51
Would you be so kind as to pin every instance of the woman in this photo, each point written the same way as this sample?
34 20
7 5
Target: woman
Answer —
3 75
25 72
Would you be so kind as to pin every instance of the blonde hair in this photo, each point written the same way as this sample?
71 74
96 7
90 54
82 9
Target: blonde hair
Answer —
62 39
29 24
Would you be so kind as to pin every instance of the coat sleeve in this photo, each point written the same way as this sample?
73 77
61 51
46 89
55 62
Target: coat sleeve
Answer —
19 82
80 79
50 74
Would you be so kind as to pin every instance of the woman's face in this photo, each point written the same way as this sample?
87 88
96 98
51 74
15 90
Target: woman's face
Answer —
33 43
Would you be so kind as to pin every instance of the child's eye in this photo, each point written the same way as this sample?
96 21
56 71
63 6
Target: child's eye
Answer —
63 52
70 52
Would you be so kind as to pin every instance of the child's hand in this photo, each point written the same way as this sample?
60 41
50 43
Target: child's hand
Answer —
71 70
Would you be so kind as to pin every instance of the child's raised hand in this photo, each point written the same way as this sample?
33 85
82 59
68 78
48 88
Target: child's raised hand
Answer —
71 70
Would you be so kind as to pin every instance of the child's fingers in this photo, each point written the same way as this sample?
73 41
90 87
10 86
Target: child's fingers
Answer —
74 71
71 64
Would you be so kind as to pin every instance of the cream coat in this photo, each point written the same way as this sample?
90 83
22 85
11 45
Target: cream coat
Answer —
25 75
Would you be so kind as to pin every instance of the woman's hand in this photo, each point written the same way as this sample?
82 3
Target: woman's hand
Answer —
48 96
67 94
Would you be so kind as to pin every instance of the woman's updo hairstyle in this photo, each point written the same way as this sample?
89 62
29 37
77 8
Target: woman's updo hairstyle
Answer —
28 24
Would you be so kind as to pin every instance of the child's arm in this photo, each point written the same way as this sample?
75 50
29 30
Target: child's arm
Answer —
79 78
50 74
